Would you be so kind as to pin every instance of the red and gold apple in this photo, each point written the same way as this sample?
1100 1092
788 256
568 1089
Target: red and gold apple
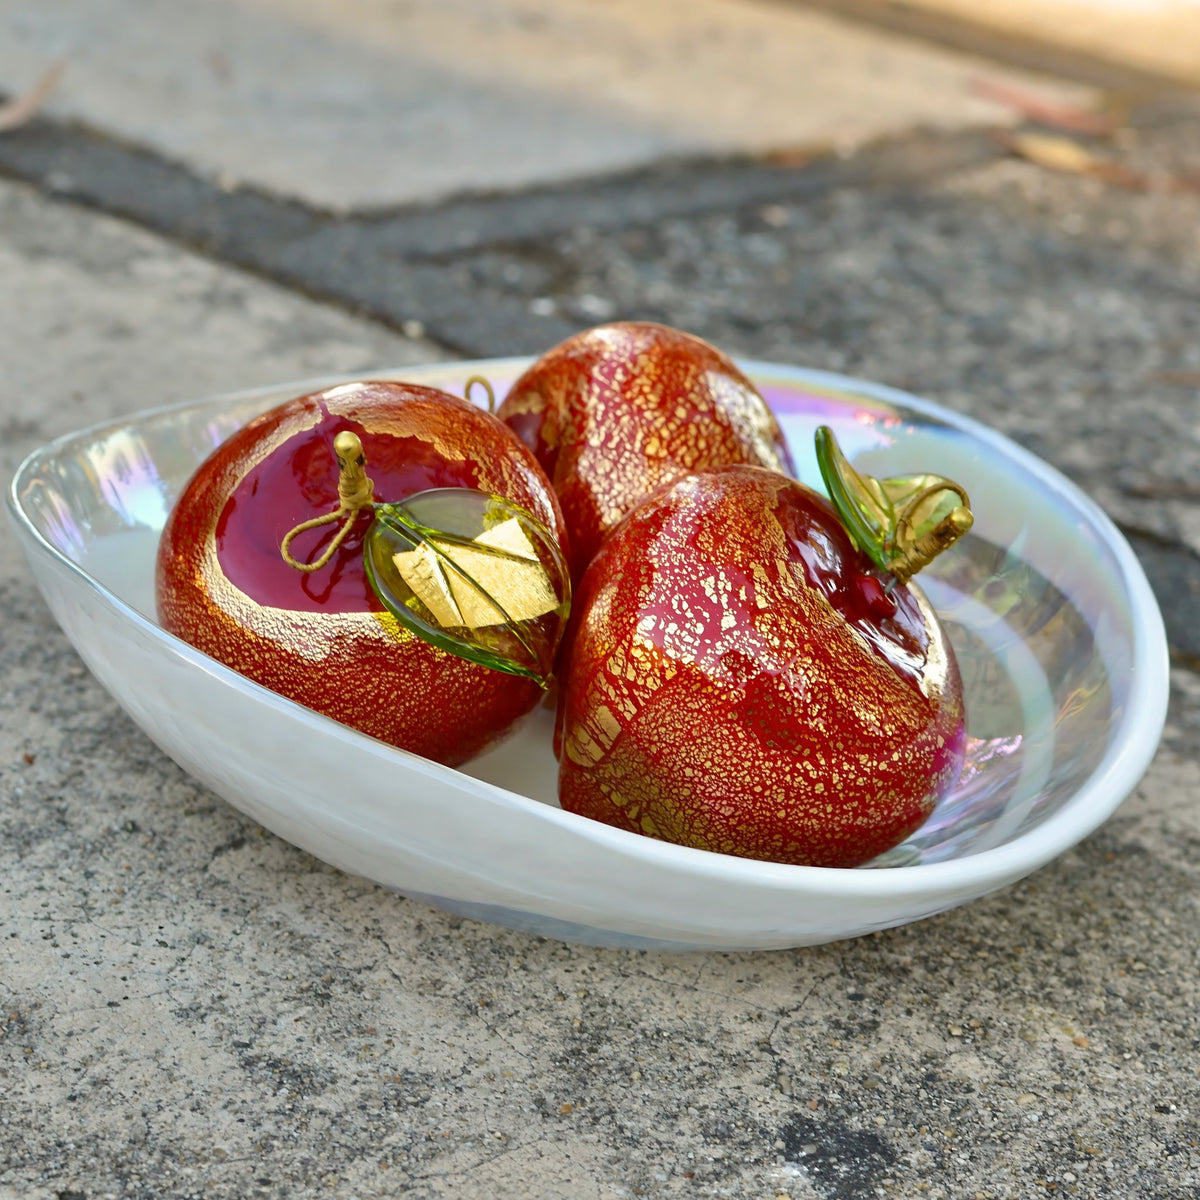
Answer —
745 678
616 411
410 661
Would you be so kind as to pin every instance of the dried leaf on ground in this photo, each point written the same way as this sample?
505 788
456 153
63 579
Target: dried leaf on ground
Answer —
1182 378
1163 491
17 112
1056 153
1046 111
799 155
1062 154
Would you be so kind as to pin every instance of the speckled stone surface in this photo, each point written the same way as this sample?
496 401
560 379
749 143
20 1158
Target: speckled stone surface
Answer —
190 1007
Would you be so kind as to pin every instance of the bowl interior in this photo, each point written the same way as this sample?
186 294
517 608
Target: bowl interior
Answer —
1035 600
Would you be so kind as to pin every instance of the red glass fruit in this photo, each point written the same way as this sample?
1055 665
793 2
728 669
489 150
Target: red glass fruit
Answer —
323 638
741 680
616 411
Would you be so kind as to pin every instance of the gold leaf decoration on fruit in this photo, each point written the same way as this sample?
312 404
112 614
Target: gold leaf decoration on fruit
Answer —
473 574
494 579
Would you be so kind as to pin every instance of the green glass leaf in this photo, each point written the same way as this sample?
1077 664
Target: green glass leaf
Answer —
864 510
901 523
474 575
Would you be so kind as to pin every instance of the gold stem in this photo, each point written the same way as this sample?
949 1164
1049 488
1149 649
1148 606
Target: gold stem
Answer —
355 492
918 553
487 387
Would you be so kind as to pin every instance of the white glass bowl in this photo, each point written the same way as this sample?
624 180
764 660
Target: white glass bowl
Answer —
1058 636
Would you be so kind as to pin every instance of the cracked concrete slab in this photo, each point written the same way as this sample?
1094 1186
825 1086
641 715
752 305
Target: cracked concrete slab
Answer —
366 102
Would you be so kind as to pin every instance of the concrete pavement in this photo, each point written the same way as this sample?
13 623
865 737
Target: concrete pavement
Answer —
352 103
189 1006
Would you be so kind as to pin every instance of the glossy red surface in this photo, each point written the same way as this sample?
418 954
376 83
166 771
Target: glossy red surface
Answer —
740 682
299 480
322 639
616 411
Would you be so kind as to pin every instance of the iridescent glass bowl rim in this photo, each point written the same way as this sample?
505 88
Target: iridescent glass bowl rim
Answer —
1113 778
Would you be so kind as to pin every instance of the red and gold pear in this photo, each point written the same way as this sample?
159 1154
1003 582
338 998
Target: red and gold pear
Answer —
742 680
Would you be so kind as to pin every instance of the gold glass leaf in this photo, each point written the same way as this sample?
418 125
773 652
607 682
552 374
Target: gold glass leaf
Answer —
472 585
472 574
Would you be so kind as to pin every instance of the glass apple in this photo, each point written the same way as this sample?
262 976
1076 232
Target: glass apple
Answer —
428 610
617 410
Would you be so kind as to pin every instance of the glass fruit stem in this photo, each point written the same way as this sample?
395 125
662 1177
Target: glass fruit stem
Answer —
355 492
